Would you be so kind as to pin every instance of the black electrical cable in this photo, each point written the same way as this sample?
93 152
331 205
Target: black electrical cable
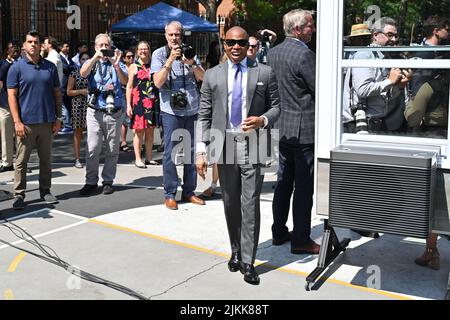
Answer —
56 260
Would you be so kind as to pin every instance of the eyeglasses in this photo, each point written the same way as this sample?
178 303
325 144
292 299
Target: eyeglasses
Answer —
232 42
391 35
254 46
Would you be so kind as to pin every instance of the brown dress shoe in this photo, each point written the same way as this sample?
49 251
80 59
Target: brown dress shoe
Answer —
171 204
193 199
209 192
430 259
309 248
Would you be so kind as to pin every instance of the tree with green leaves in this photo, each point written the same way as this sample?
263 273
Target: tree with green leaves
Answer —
211 8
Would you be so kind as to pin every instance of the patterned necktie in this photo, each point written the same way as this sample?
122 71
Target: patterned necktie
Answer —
236 98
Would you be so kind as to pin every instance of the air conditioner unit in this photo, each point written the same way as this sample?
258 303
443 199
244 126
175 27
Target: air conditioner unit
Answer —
383 189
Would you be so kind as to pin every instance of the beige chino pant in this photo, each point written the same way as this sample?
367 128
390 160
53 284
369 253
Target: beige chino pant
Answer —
41 137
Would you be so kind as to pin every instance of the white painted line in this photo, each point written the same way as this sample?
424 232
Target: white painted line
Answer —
25 215
47 233
68 214
45 210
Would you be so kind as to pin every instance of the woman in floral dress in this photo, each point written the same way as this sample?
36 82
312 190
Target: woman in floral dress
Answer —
142 99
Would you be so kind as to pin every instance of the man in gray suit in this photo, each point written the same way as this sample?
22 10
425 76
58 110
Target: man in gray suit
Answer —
295 67
238 97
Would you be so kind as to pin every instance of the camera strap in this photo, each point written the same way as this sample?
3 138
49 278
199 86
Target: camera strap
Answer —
104 73
170 79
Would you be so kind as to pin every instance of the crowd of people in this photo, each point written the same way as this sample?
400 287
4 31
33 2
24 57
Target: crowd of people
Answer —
251 87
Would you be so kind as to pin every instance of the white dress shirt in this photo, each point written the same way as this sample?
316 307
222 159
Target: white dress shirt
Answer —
53 56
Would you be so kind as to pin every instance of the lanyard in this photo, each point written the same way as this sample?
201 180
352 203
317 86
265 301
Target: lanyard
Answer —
103 74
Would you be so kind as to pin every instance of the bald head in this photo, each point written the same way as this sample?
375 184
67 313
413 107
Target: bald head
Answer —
236 44
237 30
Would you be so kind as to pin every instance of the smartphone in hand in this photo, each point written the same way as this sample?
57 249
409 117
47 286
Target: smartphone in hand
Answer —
108 52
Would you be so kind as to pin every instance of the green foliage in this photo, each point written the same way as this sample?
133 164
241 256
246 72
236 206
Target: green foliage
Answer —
259 14
408 13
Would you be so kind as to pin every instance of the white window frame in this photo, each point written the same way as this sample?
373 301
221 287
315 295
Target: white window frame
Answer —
330 64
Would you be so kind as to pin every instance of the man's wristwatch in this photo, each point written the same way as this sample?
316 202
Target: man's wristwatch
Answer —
194 65
60 119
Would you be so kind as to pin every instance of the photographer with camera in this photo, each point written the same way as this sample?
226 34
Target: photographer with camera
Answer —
266 39
176 73
104 115
376 94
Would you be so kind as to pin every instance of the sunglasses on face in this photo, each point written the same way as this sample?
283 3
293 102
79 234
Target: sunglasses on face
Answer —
254 46
232 42
129 57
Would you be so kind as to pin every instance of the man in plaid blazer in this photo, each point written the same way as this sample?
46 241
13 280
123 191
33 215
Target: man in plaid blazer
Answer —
295 69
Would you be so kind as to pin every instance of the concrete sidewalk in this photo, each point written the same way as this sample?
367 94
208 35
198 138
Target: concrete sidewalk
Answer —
132 239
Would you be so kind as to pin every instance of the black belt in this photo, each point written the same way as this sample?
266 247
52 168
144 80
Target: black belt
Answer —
104 110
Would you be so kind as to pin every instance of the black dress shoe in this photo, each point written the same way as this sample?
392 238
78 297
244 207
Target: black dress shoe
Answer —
279 241
235 262
368 234
8 168
250 275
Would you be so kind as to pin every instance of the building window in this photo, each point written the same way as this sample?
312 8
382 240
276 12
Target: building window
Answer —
62 5
395 75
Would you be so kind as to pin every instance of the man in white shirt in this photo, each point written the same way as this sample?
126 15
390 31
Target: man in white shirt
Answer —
49 48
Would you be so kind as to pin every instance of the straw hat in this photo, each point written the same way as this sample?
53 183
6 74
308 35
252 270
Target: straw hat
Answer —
361 29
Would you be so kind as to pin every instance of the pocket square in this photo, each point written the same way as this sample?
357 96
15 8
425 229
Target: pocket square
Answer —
260 84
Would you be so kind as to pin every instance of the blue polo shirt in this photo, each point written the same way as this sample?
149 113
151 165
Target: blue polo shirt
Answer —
36 84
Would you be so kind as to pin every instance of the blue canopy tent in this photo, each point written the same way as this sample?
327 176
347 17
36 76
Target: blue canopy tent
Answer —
155 18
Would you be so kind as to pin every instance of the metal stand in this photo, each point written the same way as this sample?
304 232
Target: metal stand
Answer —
329 250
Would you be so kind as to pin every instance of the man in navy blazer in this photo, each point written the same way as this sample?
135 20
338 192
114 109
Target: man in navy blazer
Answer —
295 68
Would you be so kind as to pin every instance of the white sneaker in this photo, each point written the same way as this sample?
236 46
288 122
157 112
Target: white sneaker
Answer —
78 164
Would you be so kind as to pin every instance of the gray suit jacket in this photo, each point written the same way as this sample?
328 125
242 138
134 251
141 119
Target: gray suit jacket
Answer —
262 98
295 69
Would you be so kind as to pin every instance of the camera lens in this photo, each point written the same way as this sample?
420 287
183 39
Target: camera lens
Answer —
188 51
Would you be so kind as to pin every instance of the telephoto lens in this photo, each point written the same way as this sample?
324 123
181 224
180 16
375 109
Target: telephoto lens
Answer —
110 104
361 122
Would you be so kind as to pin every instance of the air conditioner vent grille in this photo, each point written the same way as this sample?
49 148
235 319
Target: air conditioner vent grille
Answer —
381 198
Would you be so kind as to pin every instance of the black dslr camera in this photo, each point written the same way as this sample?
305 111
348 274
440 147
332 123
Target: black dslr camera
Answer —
93 94
178 99
188 51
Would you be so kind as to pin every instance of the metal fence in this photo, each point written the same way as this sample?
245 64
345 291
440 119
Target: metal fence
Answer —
50 18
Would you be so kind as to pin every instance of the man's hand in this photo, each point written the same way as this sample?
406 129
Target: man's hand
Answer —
21 130
116 59
56 126
395 75
252 123
201 165
175 53
406 77
98 55
189 62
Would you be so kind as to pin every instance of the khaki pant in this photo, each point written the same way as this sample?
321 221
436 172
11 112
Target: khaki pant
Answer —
7 137
41 137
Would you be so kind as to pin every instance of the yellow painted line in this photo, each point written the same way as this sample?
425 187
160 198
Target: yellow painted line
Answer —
9 295
148 235
339 282
16 261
